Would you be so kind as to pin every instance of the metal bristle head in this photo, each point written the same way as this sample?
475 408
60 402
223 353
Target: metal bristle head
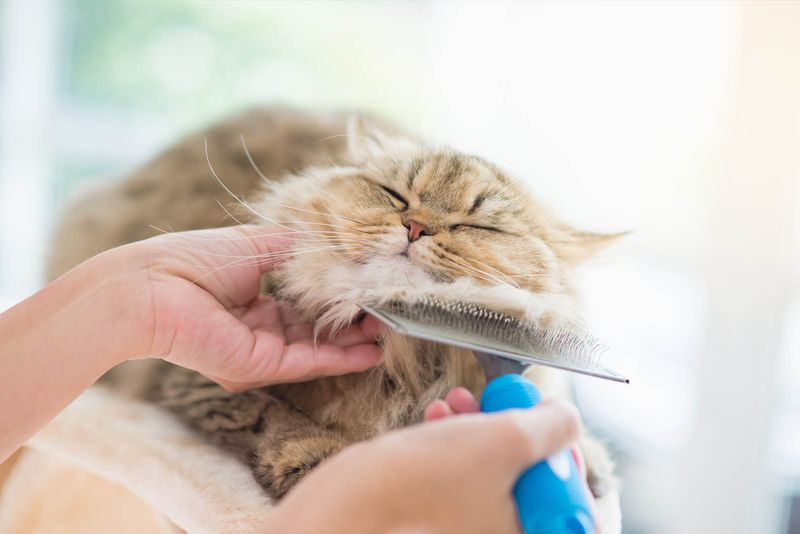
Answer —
496 330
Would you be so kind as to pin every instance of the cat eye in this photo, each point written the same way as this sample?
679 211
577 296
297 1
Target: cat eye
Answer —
397 196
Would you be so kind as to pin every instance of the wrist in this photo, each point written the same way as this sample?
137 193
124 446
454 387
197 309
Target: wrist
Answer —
104 302
126 303
60 340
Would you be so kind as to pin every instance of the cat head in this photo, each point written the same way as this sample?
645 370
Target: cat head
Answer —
403 217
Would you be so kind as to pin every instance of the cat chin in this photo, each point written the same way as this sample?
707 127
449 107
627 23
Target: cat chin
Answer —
345 286
334 296
556 310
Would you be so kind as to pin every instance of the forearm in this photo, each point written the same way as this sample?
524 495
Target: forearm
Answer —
177 297
58 342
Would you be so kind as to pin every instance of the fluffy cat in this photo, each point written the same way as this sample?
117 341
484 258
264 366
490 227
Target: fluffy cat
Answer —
375 214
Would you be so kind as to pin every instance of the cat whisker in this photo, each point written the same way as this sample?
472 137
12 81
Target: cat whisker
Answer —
500 273
318 234
321 213
321 236
243 262
287 253
445 255
161 230
282 224
324 224
252 161
499 277
226 211
227 189
246 262
474 271
261 261
463 269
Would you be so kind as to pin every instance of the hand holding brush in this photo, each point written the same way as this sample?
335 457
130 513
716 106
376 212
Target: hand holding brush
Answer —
454 474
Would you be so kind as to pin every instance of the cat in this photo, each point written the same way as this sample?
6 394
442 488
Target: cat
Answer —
376 215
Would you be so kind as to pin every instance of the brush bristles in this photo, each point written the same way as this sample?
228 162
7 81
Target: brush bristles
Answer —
492 328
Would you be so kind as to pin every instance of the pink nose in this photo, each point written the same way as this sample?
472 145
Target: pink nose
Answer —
416 230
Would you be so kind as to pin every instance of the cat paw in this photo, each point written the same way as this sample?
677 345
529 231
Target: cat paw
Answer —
280 463
599 467
602 483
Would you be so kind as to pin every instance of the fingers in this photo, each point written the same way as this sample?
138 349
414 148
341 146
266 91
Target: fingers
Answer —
303 361
343 360
266 313
501 445
524 436
372 327
364 331
236 387
577 455
298 333
290 315
262 312
527 436
438 409
226 262
299 362
461 400
268 351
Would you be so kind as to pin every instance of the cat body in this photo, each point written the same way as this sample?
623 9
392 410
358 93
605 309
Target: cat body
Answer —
374 215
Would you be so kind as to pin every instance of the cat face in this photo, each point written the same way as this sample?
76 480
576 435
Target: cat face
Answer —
442 215
409 217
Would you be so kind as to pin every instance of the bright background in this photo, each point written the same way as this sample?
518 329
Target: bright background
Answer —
680 121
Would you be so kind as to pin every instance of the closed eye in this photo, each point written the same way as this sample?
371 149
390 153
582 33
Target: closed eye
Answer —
478 227
397 196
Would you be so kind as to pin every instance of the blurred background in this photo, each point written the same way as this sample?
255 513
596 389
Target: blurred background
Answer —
679 121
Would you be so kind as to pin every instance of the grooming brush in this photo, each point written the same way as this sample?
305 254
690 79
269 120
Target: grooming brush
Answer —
550 495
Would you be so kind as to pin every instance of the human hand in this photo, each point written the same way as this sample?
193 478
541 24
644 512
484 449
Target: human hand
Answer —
198 295
191 298
450 475
461 401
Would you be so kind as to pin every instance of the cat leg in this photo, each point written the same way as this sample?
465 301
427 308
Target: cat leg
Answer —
286 454
233 420
278 441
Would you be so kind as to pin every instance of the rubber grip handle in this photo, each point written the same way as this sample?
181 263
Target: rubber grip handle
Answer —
551 497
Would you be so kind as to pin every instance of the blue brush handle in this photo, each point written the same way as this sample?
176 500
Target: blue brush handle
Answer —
551 497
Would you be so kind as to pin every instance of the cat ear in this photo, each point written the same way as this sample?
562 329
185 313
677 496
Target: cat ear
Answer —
365 141
575 246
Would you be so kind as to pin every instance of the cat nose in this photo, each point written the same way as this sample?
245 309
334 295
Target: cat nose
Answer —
416 230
